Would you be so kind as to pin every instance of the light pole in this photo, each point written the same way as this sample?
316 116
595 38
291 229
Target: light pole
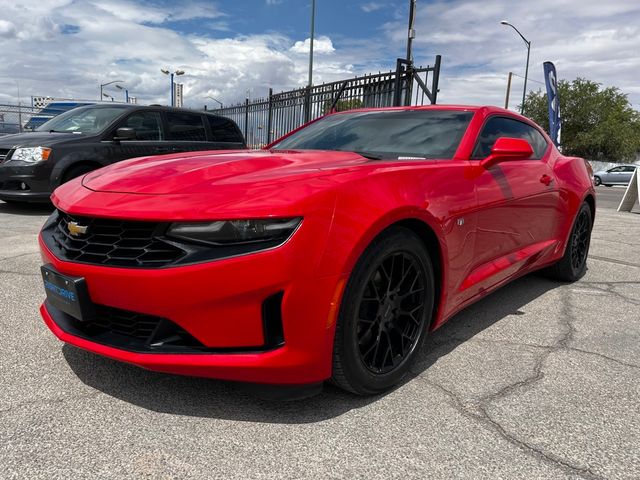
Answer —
411 32
313 33
126 92
215 100
171 74
526 72
105 94
102 85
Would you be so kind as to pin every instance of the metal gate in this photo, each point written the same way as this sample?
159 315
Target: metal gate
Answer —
265 119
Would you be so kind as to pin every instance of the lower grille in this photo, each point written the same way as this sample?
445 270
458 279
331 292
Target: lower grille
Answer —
123 322
129 331
121 243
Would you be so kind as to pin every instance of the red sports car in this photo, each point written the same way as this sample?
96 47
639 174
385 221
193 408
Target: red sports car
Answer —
330 254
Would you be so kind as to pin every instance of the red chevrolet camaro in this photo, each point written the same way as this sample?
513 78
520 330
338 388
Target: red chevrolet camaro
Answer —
330 254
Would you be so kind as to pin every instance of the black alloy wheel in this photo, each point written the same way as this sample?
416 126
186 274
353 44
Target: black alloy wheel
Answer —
390 315
385 313
580 240
573 265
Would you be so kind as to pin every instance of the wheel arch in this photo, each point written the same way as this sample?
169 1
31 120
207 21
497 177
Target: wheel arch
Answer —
591 201
72 160
426 233
430 240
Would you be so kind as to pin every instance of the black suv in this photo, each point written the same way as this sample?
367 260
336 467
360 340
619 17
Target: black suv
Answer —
33 164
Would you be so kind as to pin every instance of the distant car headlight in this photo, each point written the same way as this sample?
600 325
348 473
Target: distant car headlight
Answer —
30 154
253 234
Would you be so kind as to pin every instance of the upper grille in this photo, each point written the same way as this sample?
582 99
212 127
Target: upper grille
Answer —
114 242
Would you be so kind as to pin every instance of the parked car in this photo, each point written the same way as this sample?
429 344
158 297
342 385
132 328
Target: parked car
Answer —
331 253
620 175
52 110
33 164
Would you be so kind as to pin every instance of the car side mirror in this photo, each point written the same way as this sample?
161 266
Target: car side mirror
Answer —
125 133
506 150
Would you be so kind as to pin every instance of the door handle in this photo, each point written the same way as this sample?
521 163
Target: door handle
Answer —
546 179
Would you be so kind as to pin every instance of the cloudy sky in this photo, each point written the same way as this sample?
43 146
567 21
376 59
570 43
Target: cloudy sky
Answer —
67 48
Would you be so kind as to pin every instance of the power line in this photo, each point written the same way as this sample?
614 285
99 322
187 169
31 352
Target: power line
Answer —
530 79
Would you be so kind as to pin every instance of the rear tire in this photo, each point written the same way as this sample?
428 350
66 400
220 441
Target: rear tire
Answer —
77 171
573 265
596 181
385 313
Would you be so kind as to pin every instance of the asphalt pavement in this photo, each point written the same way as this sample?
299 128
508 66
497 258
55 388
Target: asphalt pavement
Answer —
541 380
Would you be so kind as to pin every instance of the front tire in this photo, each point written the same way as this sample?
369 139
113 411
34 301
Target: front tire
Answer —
385 313
573 265
597 181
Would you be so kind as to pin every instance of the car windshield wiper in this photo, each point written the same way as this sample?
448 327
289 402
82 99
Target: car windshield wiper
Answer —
368 155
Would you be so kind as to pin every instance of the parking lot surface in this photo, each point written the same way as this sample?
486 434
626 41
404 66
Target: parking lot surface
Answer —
539 380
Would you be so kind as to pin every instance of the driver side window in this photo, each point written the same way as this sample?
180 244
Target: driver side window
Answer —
497 127
147 125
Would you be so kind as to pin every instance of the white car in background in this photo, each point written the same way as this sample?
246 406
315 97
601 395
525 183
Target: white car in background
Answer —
620 175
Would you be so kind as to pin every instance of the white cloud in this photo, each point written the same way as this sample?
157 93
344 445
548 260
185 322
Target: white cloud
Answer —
372 6
588 38
320 45
122 39
132 45
7 29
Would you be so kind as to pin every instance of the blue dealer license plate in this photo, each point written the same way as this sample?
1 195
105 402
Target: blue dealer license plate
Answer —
68 294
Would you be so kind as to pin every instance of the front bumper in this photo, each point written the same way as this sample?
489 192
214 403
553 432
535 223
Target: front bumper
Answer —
220 304
27 183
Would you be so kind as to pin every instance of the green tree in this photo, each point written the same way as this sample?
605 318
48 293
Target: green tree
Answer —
597 123
343 105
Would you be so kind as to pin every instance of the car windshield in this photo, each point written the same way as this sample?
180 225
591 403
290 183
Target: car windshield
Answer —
391 134
82 120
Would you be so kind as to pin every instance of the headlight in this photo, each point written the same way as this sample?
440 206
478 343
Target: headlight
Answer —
30 154
258 233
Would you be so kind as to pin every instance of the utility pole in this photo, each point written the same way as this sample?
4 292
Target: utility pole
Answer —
411 33
506 100
313 33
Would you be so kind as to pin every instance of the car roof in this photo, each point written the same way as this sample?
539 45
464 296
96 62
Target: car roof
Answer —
484 109
129 106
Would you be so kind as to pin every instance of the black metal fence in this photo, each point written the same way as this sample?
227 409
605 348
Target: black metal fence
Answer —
265 119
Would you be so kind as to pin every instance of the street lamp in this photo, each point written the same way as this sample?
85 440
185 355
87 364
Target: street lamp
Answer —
526 72
105 94
126 92
215 100
102 85
171 74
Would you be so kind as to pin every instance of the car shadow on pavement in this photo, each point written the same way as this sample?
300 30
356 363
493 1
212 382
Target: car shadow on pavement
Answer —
206 398
32 209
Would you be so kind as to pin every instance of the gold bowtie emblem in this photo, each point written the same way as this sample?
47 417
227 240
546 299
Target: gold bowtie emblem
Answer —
75 229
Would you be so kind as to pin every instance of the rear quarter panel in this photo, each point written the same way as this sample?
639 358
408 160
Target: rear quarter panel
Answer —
575 185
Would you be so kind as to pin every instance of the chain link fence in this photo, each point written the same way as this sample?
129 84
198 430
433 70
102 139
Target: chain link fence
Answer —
14 118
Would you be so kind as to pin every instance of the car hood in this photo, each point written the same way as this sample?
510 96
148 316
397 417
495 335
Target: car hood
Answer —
37 139
197 173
